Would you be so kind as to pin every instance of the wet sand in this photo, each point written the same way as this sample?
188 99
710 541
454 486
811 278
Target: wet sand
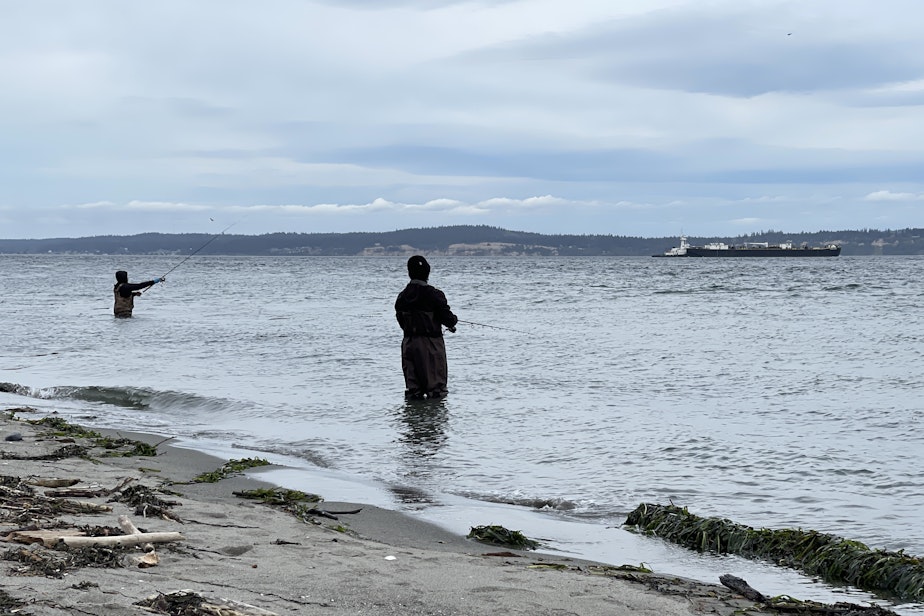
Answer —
257 559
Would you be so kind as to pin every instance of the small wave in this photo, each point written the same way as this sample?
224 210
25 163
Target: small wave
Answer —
557 504
136 398
297 451
14 388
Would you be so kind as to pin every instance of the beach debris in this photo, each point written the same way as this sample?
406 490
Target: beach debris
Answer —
231 467
36 560
48 537
121 540
62 453
278 496
115 447
742 588
9 604
52 482
189 603
87 492
618 569
552 566
11 412
21 506
788 605
834 559
146 503
498 535
503 554
150 557
87 536
14 436
293 501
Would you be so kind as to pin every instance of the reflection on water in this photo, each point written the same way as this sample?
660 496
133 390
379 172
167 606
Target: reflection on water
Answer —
423 429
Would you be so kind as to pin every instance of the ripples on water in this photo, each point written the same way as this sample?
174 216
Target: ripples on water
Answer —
777 393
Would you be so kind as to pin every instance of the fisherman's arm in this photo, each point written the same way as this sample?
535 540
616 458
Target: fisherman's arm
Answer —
443 314
129 287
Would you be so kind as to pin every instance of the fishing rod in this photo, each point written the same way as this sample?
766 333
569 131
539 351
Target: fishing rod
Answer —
509 329
196 251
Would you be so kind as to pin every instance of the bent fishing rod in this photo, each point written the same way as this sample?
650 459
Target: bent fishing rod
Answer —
196 251
509 329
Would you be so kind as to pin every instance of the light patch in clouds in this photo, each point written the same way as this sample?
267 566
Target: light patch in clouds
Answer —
887 195
748 222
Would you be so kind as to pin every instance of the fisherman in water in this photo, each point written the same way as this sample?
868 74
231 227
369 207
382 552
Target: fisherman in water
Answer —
422 312
125 293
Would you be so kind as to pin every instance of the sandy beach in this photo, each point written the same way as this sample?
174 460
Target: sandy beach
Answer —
223 554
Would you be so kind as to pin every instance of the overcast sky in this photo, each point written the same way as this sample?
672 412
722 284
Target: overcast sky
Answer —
628 117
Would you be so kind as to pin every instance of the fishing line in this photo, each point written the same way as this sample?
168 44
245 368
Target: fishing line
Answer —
196 251
190 256
509 329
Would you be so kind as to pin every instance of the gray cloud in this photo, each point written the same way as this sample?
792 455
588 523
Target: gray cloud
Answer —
634 116
741 51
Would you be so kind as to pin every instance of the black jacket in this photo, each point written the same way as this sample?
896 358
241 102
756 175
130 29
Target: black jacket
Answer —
422 310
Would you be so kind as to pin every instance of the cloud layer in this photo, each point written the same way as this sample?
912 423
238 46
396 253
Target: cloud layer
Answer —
642 117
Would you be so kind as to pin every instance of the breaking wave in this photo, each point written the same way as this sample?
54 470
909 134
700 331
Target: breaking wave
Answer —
135 398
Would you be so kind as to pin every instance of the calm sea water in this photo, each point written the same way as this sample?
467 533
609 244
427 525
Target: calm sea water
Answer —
775 393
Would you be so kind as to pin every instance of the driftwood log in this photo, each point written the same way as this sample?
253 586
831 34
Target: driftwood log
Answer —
742 588
125 540
150 557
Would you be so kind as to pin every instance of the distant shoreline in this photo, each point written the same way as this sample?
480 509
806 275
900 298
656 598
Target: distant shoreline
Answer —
445 241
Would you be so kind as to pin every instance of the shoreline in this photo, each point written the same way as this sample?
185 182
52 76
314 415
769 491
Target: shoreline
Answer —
376 561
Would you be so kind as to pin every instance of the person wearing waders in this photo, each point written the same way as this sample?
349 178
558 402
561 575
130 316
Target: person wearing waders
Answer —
422 312
125 293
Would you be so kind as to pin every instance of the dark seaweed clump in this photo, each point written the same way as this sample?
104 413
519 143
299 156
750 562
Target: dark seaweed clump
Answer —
834 559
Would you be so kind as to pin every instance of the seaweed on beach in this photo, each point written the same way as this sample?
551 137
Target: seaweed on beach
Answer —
834 559
36 560
61 427
231 467
180 603
115 447
10 605
62 453
498 535
20 505
146 502
299 504
278 496
189 603
137 449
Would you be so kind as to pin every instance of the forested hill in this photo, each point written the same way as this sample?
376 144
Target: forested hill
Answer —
455 240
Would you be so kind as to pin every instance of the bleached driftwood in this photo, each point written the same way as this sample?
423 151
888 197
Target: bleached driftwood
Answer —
136 539
52 482
127 526
47 538
150 557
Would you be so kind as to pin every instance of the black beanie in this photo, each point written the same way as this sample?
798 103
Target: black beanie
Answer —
418 268
121 276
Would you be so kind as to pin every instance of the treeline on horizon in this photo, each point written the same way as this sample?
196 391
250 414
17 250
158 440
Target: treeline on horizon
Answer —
461 240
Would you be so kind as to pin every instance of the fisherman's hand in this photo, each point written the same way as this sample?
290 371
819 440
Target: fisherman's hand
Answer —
452 329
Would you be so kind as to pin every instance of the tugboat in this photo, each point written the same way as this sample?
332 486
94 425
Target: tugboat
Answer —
750 249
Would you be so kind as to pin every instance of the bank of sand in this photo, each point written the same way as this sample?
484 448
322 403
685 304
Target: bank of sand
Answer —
257 559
